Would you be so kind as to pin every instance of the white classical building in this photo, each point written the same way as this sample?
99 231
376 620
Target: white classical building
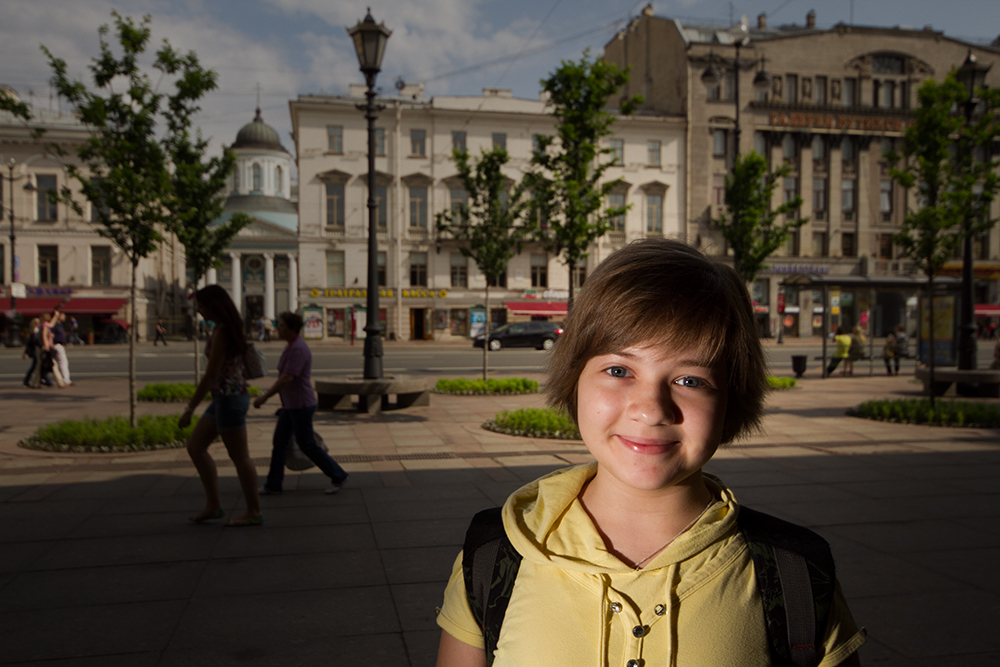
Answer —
428 289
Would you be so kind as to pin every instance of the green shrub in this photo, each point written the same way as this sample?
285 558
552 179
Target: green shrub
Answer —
780 383
919 411
489 387
113 434
175 392
534 423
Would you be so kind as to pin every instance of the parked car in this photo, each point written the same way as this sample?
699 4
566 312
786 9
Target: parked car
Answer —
539 335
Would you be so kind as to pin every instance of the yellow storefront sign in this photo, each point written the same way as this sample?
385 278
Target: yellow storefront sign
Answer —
361 293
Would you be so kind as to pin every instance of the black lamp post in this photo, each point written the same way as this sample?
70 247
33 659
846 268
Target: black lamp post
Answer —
12 332
369 41
972 75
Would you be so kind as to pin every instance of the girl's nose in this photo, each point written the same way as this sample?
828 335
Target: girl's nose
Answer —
653 407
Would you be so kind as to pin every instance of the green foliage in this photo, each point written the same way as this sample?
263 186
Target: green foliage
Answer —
567 194
110 435
780 383
17 108
922 411
534 423
491 386
751 227
173 392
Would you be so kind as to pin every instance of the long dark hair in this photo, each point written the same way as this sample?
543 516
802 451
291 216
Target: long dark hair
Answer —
216 300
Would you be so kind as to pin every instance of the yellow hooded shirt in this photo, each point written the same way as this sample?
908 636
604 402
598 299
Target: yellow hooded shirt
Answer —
574 603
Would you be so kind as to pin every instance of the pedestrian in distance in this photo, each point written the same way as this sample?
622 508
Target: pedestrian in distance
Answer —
889 354
161 331
32 349
47 362
841 353
856 350
226 415
74 332
640 557
902 345
298 405
59 342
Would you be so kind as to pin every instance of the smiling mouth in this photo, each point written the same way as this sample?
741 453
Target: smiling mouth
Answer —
646 445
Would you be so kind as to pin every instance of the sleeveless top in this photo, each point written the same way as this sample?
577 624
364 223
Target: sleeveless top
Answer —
231 379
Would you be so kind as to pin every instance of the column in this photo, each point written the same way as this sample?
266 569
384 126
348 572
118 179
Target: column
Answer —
211 277
237 292
293 283
269 285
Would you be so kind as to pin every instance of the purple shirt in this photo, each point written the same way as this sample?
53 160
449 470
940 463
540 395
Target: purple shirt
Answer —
296 361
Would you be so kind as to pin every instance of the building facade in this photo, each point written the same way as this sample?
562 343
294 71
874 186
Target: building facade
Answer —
836 101
59 259
428 289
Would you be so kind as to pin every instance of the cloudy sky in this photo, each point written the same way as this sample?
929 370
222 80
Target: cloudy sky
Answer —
457 47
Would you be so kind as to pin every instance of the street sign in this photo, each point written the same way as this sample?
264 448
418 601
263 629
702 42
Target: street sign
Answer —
17 291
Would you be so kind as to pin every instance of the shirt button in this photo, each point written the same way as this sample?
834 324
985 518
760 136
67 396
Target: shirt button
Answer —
616 607
632 663
638 631
660 609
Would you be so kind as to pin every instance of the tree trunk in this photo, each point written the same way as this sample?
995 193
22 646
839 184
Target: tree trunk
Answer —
930 341
133 328
486 335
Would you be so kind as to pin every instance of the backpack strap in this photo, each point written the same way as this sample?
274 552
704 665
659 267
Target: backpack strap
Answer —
795 577
489 564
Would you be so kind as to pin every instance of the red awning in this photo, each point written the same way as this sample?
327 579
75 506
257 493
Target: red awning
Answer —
556 309
122 323
84 306
33 305
988 309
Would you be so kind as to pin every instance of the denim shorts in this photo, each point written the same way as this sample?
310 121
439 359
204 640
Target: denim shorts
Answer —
228 411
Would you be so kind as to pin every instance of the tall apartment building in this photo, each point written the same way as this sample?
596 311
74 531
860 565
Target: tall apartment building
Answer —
429 290
60 258
838 100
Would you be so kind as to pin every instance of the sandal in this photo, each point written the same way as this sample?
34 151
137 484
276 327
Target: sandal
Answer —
247 521
208 516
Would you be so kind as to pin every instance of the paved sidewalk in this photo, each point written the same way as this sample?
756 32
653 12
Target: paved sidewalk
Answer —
98 565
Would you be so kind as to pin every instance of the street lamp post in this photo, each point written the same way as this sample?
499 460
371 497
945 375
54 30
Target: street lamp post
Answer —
972 75
369 42
12 332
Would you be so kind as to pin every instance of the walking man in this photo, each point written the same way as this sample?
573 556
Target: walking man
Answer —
59 344
298 404
161 330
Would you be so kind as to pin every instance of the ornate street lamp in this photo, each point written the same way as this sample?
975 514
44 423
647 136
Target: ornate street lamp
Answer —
972 75
12 331
369 41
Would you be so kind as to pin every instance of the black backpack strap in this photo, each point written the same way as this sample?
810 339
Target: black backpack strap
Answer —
795 577
489 564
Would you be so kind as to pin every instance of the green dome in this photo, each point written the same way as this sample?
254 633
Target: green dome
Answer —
258 134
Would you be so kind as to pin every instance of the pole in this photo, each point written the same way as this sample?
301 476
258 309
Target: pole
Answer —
373 326
736 132
967 328
12 335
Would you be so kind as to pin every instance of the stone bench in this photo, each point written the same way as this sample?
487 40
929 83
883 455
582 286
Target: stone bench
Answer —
373 396
950 381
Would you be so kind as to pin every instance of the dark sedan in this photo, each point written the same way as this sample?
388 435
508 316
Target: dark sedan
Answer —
539 335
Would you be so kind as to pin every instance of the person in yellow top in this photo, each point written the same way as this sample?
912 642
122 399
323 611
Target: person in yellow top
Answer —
636 559
843 351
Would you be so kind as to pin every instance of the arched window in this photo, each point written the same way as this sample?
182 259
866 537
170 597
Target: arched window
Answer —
258 178
278 183
236 179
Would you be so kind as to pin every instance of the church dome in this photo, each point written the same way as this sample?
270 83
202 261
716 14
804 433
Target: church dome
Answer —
258 134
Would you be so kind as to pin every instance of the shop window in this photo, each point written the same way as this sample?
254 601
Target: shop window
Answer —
100 265
418 269
459 321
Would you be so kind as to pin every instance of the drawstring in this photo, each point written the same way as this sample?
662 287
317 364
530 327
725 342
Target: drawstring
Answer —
606 619
670 619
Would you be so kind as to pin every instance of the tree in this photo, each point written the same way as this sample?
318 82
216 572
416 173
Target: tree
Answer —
198 185
568 194
16 107
495 223
951 165
752 227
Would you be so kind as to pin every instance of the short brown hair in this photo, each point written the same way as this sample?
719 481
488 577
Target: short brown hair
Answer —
665 292
292 321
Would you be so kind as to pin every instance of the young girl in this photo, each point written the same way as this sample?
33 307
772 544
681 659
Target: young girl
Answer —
226 415
637 559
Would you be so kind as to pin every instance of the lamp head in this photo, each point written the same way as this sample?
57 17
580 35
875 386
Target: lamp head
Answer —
369 42
710 77
971 74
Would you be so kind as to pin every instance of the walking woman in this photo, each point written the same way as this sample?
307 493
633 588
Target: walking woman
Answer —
32 350
226 415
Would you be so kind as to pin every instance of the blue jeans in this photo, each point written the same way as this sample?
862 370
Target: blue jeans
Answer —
31 369
300 422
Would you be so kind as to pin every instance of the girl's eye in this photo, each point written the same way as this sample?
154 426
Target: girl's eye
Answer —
690 381
617 372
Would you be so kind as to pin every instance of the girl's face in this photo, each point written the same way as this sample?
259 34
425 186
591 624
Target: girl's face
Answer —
651 417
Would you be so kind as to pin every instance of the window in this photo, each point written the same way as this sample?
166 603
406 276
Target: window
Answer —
847 198
236 178
459 270
819 198
848 245
981 246
100 265
258 178
653 153
458 141
719 143
713 92
539 271
729 85
788 148
850 92
618 151
499 141
819 244
876 92
48 265
382 282
334 268
97 209
335 205
888 94
536 144
418 142
46 197
760 144
654 214
885 246
279 181
792 243
886 147
617 200
791 189
885 199
418 269
579 274
459 321
719 190
847 150
792 88
379 141
382 206
501 281
887 64
818 148
819 94
904 95
459 201
335 138
418 207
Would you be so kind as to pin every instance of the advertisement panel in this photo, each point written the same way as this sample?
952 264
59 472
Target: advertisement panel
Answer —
312 328
944 330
